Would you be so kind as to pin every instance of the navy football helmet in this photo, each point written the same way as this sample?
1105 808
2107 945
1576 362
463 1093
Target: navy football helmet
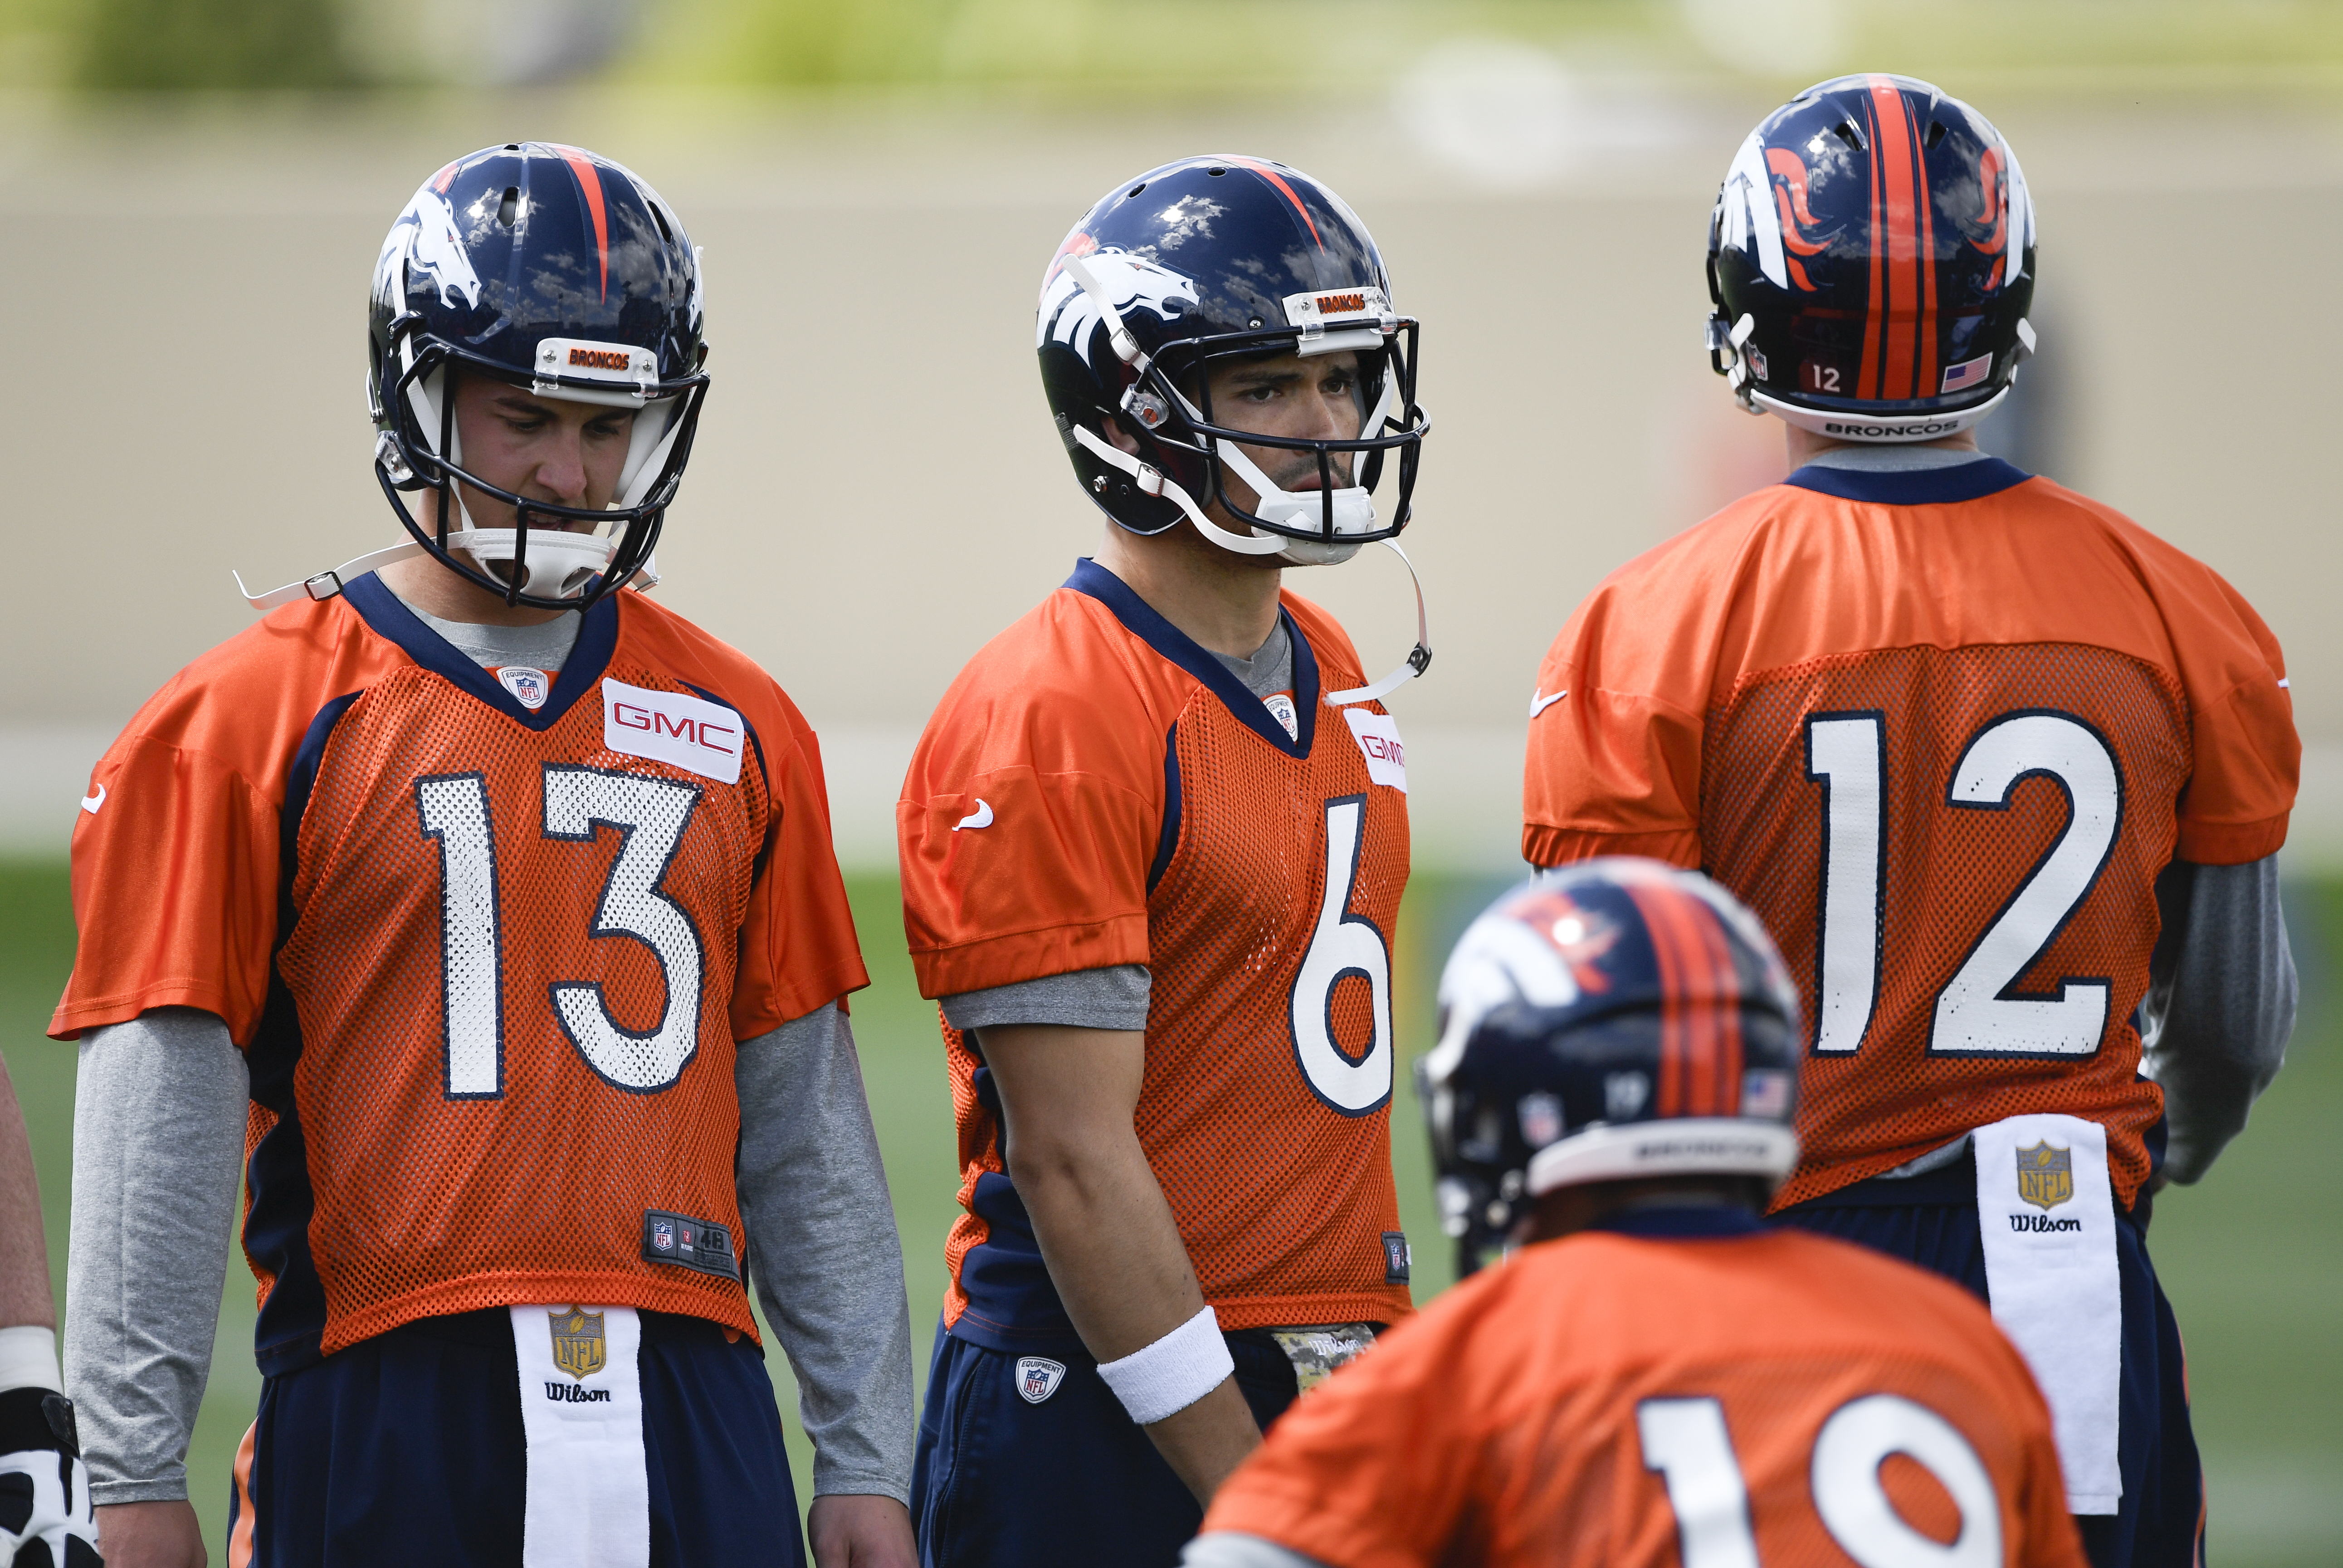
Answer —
1202 261
1616 1020
553 269
1871 263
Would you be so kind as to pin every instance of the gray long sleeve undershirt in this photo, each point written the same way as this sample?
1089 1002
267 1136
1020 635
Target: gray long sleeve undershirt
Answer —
158 1144
2220 1004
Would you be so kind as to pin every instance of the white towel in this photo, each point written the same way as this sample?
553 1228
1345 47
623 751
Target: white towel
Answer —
582 1407
2048 1219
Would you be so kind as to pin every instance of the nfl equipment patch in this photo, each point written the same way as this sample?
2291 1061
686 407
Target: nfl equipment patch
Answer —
688 1244
1397 1257
1038 1378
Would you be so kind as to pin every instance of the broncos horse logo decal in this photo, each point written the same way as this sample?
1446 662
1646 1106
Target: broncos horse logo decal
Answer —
424 241
1068 315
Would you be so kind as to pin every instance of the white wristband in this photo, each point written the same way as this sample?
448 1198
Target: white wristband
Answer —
28 1359
1175 1372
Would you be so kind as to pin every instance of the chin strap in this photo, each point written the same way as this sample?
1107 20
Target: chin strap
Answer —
1152 481
324 585
1419 657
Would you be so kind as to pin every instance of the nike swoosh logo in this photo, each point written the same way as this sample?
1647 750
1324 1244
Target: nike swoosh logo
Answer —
980 818
1539 704
90 803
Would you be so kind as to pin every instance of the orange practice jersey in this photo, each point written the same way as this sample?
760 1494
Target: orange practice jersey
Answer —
1940 731
487 965
1600 1401
1096 789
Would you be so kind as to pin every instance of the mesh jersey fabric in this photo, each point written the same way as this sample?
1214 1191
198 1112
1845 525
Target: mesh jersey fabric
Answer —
1506 1423
487 971
1144 808
1926 631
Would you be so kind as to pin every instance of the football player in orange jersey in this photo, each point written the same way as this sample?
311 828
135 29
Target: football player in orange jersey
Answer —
1656 1376
1153 843
485 913
2004 772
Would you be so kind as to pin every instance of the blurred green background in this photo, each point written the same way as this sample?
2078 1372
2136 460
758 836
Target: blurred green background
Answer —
2252 1258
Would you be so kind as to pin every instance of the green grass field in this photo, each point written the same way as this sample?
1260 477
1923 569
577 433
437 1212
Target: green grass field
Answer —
2253 1260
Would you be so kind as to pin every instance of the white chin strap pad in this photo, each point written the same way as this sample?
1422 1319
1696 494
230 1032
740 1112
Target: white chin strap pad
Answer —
556 560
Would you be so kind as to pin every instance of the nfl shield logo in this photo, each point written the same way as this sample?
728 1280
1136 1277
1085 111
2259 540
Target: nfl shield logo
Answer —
529 688
1038 1378
663 1235
578 1348
2046 1175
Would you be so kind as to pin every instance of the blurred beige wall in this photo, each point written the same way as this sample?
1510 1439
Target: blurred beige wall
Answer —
877 489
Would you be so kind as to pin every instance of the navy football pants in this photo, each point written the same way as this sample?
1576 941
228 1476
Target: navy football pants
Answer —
408 1448
1932 1220
1069 1483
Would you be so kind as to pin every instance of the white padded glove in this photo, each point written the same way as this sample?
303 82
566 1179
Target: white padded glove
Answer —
44 1507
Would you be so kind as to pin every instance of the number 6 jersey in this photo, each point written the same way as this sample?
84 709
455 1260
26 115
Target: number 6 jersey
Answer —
488 962
1097 790
1941 730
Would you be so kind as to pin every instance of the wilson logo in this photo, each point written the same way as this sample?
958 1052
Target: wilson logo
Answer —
570 1393
704 737
2034 1223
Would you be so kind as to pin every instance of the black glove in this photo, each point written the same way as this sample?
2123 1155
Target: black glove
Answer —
45 1508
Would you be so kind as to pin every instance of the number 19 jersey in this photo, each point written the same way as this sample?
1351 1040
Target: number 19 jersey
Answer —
1096 789
488 962
1940 731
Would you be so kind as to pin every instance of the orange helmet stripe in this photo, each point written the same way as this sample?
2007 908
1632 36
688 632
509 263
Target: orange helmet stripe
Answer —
590 181
1274 177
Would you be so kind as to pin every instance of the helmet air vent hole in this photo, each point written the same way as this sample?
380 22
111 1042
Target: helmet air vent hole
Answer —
1851 133
512 146
1134 190
1935 135
509 208
658 217
1216 171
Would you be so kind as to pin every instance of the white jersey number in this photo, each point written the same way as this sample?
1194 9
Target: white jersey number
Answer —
650 815
1343 945
1685 1440
1976 1013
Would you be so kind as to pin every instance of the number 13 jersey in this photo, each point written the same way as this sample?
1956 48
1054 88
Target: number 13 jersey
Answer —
1941 730
488 963
1096 789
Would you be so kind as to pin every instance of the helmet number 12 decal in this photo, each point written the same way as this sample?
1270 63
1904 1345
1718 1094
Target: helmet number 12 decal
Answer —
1685 1440
1343 946
1979 1012
650 815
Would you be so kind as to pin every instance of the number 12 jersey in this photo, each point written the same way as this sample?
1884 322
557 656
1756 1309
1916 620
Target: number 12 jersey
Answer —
1940 731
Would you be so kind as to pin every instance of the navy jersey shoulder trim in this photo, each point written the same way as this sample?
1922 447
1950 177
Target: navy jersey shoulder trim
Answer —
277 1227
1167 838
1177 646
1912 488
392 620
